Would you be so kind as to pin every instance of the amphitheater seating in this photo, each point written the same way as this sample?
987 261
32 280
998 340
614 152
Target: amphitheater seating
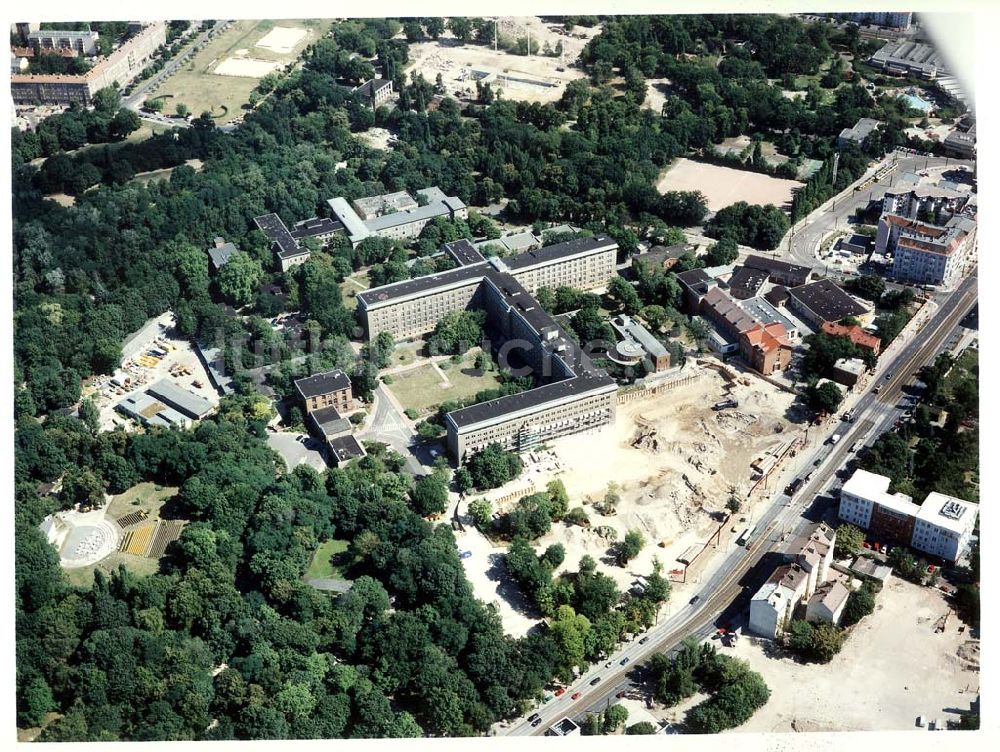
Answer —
136 542
167 532
132 518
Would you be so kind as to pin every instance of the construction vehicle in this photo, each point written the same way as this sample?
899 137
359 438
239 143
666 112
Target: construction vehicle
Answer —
725 404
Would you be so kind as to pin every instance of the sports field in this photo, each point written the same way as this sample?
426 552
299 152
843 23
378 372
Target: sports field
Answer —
221 76
723 186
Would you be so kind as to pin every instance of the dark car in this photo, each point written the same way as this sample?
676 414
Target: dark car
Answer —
536 722
595 680
533 717
694 600
644 640
623 661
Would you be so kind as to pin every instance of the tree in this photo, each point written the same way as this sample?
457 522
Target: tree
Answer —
848 542
182 109
239 278
34 702
826 397
430 494
630 546
614 718
860 603
493 466
867 286
153 105
481 511
457 331
624 295
722 253
733 504
461 28
827 641
641 728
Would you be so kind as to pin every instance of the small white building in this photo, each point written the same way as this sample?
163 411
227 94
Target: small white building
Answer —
827 603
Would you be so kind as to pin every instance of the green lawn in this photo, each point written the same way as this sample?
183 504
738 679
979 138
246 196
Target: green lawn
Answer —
201 90
322 566
145 496
423 389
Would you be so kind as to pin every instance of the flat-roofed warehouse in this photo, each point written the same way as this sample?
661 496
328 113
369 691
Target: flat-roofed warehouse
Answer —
185 402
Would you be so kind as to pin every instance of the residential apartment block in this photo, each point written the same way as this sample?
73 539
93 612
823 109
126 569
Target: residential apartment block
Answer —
118 68
924 252
801 580
572 395
942 526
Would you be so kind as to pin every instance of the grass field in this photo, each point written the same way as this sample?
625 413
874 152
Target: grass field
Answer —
139 565
423 388
322 566
145 496
196 84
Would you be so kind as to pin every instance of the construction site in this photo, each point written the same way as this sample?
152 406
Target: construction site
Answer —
674 456
538 77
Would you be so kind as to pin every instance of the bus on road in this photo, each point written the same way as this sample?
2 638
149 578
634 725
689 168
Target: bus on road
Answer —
745 536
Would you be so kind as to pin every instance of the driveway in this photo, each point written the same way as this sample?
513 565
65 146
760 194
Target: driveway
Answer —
388 425
294 452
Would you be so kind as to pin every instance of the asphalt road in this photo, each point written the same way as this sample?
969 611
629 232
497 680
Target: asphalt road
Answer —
138 96
724 594
835 214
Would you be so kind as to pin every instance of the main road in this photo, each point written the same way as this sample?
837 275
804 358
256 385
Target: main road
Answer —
802 242
782 518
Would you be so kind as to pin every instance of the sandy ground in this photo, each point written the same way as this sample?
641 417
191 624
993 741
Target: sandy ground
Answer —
687 462
282 40
245 67
723 186
656 93
106 395
542 82
892 668
376 138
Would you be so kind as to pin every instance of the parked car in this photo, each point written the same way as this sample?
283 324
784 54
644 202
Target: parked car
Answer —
561 691
694 600
623 661
576 695
533 716
620 695
608 664
643 640
536 722
595 681
465 555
